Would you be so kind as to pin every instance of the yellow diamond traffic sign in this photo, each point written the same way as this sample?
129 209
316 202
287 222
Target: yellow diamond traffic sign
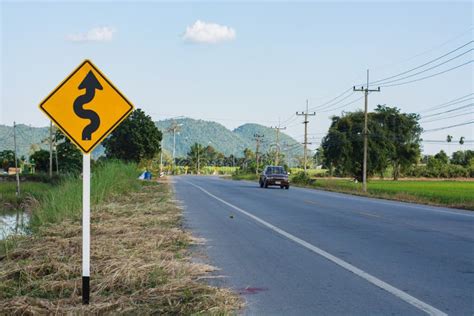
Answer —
86 106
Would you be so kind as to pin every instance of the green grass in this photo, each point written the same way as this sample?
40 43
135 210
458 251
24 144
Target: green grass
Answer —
245 176
65 200
458 194
445 193
8 197
311 172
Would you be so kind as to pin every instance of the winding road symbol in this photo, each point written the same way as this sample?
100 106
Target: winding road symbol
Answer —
82 112
90 83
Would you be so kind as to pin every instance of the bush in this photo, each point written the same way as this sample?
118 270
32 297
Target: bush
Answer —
302 178
440 171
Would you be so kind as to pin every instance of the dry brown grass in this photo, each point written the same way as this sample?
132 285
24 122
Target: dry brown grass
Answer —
139 264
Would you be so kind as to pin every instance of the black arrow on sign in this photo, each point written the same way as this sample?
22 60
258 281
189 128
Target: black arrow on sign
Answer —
90 83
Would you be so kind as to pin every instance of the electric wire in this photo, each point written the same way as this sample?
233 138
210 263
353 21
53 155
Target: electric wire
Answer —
428 69
448 111
447 117
450 103
429 76
425 64
447 127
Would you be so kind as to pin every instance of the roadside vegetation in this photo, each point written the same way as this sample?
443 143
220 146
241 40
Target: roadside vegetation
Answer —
140 258
457 194
29 190
140 263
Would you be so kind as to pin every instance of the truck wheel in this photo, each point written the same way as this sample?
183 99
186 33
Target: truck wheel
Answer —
287 187
261 184
265 184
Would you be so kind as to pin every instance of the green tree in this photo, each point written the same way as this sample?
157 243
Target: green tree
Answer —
442 157
393 138
41 160
7 159
69 156
196 157
403 132
136 138
344 143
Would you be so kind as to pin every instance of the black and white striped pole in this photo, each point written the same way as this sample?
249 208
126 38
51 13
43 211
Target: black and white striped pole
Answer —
86 207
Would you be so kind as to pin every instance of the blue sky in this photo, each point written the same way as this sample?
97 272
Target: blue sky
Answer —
280 54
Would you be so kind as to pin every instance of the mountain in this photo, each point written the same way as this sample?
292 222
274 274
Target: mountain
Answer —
26 136
190 131
287 143
30 139
224 140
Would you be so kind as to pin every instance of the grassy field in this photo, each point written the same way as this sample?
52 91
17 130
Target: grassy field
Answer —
8 198
139 258
245 176
65 200
458 194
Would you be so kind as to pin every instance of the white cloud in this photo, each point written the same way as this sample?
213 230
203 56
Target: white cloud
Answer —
211 33
96 34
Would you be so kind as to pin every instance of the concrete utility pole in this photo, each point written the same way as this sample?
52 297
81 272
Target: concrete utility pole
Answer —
305 122
55 148
50 149
16 163
258 139
161 156
366 131
175 127
277 130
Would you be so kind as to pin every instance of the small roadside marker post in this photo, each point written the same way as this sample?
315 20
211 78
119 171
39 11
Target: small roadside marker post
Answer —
87 127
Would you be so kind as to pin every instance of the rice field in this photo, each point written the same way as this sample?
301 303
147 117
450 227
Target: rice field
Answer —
459 194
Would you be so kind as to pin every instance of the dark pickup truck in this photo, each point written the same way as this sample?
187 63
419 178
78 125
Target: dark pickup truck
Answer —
274 175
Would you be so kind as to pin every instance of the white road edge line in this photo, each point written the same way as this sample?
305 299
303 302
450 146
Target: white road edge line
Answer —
364 275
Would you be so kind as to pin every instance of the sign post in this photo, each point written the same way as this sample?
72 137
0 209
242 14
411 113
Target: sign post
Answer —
86 107
86 207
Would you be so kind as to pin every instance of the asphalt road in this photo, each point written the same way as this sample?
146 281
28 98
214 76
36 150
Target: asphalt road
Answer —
309 252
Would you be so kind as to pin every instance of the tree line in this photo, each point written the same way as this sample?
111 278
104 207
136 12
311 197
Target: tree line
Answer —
394 140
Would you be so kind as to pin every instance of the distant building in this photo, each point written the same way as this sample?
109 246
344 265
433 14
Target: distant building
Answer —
12 171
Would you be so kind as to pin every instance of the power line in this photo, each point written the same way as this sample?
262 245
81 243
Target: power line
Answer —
427 77
343 106
449 103
448 117
468 31
447 127
448 111
425 64
330 101
428 69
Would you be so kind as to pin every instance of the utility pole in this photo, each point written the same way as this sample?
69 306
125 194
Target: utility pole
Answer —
366 131
55 148
174 128
305 122
258 139
288 156
50 149
277 130
198 162
161 156
16 163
